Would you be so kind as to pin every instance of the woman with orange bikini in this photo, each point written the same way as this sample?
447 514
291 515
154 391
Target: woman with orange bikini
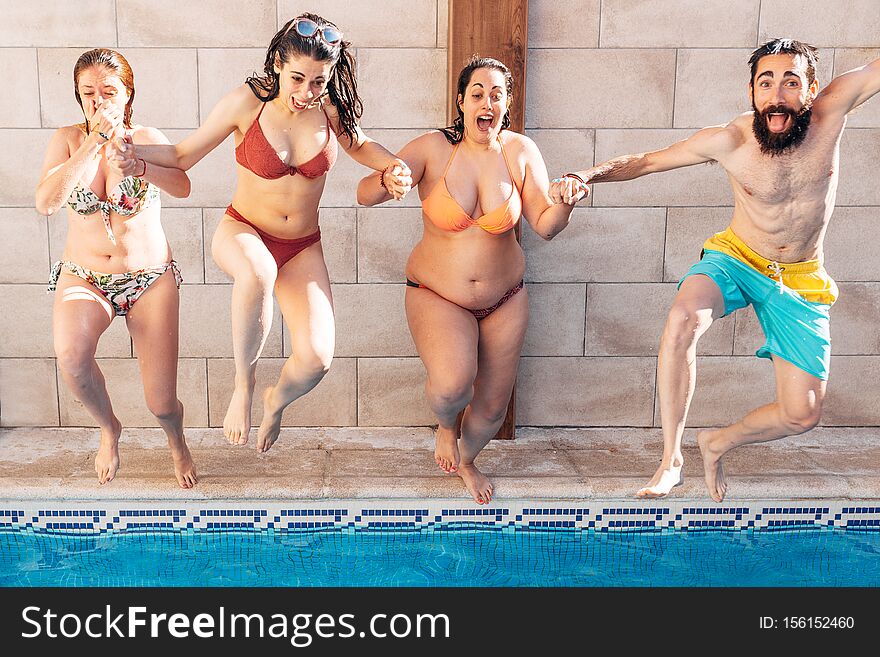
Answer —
287 124
465 302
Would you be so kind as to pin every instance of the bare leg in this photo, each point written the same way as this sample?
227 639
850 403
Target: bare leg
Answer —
446 338
303 292
80 315
698 303
240 252
153 325
798 408
501 340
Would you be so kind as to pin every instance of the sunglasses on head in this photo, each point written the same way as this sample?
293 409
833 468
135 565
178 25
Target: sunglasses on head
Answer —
308 28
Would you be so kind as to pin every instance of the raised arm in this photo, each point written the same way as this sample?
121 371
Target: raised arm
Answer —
546 217
62 169
223 119
849 90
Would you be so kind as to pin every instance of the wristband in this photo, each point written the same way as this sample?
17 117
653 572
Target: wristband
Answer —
103 136
574 176
382 178
144 172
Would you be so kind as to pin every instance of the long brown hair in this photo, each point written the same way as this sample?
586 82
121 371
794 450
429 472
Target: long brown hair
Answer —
455 132
105 57
342 86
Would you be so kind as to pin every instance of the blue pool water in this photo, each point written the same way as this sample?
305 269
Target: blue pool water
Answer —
441 556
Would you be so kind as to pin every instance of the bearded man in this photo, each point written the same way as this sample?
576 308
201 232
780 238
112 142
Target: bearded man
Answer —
782 162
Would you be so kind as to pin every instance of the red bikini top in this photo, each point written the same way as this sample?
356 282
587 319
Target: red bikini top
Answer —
256 154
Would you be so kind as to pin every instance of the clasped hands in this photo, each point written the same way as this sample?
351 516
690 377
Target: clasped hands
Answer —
397 179
568 189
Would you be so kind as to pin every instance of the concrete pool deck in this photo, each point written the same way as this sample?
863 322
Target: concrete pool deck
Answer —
397 463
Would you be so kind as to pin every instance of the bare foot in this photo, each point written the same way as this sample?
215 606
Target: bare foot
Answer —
478 485
270 427
107 458
237 422
446 450
184 468
712 468
664 480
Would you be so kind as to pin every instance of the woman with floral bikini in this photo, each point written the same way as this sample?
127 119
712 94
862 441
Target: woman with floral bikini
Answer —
116 260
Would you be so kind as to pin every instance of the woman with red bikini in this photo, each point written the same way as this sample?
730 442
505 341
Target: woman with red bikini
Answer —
287 124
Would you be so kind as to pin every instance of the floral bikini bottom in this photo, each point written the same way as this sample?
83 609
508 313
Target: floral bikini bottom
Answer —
121 290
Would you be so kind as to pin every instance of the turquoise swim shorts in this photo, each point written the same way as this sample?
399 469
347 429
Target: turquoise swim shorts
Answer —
797 330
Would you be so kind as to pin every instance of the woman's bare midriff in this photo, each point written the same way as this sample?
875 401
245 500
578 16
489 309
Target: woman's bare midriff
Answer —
140 241
286 207
472 268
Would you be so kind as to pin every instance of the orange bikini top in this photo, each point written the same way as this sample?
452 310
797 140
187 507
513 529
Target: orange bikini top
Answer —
445 212
256 154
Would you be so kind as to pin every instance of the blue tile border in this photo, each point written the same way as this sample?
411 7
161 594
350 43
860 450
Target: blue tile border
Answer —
115 516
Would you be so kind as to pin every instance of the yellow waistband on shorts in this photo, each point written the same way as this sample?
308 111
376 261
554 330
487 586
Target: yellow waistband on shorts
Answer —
808 278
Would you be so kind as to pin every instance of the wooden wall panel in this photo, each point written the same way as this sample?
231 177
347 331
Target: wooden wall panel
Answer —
489 28
499 29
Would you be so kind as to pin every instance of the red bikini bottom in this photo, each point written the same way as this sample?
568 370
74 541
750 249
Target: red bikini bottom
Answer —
281 249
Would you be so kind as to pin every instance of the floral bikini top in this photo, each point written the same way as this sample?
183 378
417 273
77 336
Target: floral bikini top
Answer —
127 199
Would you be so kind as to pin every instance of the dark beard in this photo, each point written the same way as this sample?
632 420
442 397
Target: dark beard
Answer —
777 143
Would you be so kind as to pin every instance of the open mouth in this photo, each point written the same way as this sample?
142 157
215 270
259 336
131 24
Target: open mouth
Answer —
484 122
298 105
778 121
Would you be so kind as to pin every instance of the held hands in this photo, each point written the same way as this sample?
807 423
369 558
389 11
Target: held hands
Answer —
122 158
568 190
396 179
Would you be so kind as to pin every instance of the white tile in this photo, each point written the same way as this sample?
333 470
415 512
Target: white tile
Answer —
84 23
641 83
374 23
25 233
196 23
691 23
28 392
18 70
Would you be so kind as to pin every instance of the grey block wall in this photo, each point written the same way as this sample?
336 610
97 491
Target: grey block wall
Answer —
605 77
633 75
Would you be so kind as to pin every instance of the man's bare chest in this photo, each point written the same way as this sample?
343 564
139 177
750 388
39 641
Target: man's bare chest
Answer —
805 173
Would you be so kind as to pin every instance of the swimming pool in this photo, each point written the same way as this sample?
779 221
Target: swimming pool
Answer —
402 543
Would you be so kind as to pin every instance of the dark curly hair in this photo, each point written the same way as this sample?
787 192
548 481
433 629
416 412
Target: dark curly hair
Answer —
787 47
342 86
455 132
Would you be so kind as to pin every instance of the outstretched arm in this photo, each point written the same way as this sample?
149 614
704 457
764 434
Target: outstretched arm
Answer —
849 90
220 123
705 145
